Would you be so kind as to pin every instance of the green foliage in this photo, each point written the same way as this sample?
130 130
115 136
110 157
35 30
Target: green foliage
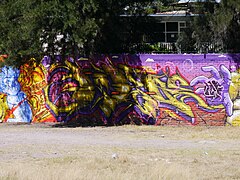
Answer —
151 48
158 6
31 28
200 32
218 25
226 25
186 42
110 37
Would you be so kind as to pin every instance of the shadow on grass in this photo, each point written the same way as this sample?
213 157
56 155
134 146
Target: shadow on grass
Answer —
93 122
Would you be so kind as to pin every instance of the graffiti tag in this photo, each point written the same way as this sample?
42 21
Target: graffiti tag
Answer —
213 90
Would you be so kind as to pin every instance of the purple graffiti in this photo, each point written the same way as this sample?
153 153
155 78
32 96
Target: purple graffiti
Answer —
216 90
213 90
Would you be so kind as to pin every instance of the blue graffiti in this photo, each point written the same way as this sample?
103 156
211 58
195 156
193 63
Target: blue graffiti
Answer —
16 99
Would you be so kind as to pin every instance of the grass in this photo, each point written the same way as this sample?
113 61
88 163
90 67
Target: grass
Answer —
123 167
142 153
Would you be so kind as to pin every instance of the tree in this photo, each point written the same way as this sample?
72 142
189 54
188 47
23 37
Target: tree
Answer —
226 25
202 32
32 28
218 24
122 16
186 42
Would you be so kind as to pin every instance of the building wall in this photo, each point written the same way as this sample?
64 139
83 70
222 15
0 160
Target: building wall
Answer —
124 89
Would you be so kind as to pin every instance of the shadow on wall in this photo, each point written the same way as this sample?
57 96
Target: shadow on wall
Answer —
121 89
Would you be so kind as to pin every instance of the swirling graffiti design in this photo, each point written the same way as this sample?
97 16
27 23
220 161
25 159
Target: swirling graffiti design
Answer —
32 80
69 92
120 93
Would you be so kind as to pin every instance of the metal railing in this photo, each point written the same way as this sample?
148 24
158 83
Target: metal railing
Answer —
174 48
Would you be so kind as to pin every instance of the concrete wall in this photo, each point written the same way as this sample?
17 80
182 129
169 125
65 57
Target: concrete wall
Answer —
123 89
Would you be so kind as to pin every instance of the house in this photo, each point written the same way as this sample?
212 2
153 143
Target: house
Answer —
165 27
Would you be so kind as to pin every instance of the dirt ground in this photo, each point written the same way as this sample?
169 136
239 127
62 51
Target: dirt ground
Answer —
41 151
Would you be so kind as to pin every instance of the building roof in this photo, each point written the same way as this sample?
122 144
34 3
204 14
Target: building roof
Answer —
172 13
194 1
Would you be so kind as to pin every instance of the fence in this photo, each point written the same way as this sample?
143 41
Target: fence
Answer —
174 48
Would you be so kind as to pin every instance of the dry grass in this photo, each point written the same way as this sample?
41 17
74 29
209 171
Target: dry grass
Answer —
94 168
189 132
142 152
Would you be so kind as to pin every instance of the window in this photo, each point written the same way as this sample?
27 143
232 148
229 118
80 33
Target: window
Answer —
160 27
182 24
172 26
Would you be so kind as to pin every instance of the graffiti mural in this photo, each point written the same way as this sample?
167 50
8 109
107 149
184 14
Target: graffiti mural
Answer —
234 90
32 81
17 109
123 89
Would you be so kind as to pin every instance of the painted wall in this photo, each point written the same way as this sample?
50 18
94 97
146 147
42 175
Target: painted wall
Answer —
124 89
